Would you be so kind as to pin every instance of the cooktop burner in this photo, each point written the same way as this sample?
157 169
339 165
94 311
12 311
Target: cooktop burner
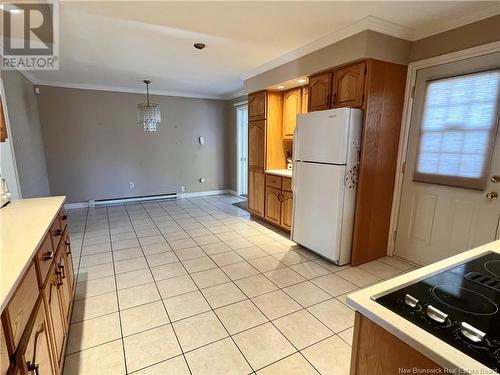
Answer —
459 306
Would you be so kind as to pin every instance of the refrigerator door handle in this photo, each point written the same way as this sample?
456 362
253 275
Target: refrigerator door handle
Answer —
294 176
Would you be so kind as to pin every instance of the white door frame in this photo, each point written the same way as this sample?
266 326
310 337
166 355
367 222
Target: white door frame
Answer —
239 172
406 120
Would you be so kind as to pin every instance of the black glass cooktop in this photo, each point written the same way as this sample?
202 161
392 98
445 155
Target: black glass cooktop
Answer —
460 306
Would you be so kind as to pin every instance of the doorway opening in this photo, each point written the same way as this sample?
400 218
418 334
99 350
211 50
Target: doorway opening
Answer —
242 149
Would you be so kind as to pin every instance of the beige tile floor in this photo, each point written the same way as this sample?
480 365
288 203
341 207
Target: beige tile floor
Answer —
195 286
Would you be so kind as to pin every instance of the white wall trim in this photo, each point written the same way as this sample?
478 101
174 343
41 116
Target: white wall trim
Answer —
368 23
406 120
146 199
130 90
238 104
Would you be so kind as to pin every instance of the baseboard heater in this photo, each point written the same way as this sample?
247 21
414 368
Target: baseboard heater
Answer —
143 198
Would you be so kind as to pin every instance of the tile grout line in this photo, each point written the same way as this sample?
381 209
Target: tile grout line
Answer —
159 293
211 309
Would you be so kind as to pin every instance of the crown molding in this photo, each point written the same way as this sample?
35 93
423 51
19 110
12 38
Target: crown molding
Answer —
368 23
465 19
129 90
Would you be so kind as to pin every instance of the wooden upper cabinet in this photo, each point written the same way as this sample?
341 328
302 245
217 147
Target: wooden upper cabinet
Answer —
320 87
3 124
292 105
257 106
349 86
256 145
305 99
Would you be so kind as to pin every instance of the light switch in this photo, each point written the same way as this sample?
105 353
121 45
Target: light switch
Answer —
201 140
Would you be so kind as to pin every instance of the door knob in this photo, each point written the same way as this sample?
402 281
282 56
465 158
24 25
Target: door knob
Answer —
492 195
495 179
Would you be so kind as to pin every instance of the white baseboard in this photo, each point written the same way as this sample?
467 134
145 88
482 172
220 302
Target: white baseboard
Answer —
70 206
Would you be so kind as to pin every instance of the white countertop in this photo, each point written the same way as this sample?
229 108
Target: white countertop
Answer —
23 225
280 172
426 343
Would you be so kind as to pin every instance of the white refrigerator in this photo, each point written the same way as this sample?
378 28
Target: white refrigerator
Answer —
325 164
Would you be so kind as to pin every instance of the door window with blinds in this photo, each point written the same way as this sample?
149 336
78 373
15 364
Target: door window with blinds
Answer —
459 125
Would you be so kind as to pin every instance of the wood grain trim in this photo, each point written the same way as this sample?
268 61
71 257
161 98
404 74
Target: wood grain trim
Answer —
385 86
375 351
3 123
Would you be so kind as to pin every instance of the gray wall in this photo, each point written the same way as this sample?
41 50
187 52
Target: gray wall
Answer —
26 134
95 147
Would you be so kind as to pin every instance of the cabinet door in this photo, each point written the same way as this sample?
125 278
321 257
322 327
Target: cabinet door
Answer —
70 273
257 106
64 289
4 352
256 145
273 204
35 352
256 192
292 105
305 99
349 86
320 87
54 310
287 210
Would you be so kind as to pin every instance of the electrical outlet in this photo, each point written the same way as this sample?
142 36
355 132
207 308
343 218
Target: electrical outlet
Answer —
183 188
131 185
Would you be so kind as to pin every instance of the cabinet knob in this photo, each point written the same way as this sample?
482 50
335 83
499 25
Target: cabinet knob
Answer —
492 195
64 217
58 232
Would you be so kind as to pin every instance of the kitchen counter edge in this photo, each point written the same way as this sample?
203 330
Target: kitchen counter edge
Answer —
421 340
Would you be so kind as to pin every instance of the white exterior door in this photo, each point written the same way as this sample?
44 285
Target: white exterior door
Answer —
242 148
448 201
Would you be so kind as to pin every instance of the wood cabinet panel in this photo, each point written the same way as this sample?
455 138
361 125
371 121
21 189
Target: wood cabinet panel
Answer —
35 352
375 351
257 106
287 184
56 232
256 145
305 99
44 257
382 123
22 303
286 209
4 352
320 87
256 186
3 124
273 181
273 205
53 306
69 261
349 86
64 289
292 105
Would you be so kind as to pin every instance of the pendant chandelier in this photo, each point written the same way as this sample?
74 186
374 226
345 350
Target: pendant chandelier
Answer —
148 114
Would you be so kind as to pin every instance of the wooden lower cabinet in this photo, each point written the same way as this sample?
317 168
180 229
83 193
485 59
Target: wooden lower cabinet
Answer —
34 355
287 209
273 205
4 352
256 192
54 306
279 201
376 351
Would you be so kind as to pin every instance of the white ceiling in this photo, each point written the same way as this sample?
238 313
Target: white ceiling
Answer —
115 45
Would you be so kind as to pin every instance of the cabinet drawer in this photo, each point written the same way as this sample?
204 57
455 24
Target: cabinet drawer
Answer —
56 232
22 303
273 181
35 351
287 184
44 258
63 218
